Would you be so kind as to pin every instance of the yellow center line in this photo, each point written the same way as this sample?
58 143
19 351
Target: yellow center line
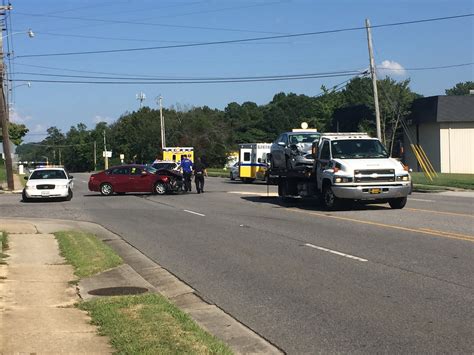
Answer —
440 212
447 233
421 231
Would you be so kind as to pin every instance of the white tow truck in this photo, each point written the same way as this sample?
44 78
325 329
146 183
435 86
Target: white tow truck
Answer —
348 167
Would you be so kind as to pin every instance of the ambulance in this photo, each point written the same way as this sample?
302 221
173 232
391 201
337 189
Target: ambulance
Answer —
253 159
176 153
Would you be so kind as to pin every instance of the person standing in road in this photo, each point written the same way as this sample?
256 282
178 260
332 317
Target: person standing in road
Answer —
187 166
199 172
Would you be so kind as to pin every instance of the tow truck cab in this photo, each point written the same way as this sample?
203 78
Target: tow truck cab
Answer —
354 166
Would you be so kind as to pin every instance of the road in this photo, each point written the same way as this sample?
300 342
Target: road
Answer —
368 280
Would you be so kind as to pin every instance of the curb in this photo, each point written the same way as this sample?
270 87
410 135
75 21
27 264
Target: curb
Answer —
240 338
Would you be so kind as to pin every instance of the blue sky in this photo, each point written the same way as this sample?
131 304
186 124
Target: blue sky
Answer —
68 26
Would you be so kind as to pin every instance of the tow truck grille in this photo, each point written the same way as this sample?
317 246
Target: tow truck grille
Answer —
385 175
45 187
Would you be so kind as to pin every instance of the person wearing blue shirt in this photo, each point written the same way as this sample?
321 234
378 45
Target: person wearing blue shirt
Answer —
187 166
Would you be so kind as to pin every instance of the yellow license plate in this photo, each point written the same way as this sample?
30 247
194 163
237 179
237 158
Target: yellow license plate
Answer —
375 191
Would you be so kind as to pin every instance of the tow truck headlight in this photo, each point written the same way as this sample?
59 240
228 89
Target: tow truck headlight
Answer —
342 179
403 177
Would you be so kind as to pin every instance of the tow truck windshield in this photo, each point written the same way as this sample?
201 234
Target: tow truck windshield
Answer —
358 149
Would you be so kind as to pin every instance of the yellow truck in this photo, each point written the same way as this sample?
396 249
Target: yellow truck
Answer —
176 153
253 159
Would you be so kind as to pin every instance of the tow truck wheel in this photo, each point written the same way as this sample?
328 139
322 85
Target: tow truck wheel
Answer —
331 202
398 203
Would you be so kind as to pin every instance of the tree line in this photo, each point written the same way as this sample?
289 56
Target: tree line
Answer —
214 133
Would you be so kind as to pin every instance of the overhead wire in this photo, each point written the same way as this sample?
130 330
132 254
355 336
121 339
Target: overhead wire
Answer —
348 72
123 22
243 40
184 81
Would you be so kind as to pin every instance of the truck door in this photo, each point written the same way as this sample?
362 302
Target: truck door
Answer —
245 163
278 151
323 161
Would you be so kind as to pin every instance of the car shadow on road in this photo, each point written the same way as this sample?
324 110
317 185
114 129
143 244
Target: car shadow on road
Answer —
312 204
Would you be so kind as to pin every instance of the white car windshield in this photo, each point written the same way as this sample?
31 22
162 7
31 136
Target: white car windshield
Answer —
304 138
358 149
48 174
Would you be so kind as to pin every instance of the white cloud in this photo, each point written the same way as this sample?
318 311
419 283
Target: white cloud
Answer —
17 117
391 68
38 128
99 118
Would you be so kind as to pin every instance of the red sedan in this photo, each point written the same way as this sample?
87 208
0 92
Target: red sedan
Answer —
135 178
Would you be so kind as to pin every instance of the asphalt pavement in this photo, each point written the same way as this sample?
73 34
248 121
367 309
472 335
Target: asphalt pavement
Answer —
371 279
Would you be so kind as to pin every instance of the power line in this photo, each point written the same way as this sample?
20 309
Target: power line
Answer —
123 22
348 72
127 39
184 82
427 68
243 40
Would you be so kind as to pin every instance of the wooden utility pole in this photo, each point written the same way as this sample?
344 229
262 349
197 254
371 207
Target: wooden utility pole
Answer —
374 80
4 115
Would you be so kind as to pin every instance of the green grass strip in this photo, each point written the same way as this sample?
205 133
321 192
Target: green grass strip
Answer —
217 172
462 181
149 324
3 246
87 254
3 173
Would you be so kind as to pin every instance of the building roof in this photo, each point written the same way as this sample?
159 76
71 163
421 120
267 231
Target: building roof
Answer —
443 109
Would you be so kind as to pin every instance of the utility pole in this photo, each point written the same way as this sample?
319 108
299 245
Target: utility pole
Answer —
60 160
374 80
162 123
4 115
106 158
141 97
95 155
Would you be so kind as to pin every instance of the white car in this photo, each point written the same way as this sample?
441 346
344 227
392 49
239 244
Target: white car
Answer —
46 183
234 171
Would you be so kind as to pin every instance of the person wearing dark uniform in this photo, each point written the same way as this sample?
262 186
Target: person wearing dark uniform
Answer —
187 166
199 172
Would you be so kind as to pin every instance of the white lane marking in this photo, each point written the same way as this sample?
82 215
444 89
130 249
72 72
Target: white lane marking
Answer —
252 193
199 214
419 199
85 182
335 252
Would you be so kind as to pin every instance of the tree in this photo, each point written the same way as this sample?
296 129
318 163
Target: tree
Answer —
460 88
16 132
395 99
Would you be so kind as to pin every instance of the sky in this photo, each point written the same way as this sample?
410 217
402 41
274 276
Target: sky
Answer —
65 26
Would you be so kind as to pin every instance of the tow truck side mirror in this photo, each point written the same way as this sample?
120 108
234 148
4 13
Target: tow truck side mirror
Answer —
26 178
314 150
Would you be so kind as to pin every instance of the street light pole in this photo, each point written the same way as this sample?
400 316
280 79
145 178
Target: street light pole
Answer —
162 123
106 161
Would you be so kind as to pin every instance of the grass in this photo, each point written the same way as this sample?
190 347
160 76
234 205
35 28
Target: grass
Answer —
138 324
3 246
218 172
149 324
462 181
87 254
3 174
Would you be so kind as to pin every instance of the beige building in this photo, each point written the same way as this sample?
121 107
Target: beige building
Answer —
444 127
